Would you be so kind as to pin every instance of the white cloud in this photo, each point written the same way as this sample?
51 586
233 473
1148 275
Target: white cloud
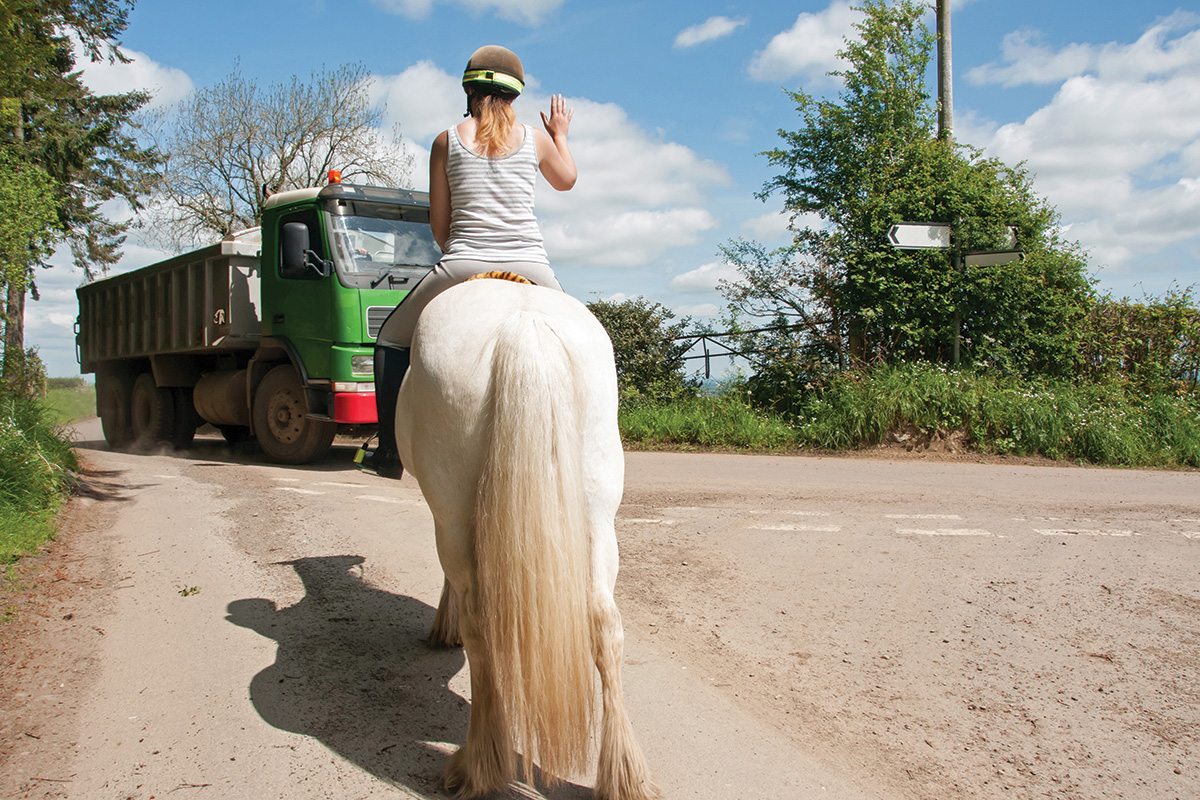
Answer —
528 12
424 99
621 239
768 228
166 85
809 48
710 30
1117 149
705 278
1158 52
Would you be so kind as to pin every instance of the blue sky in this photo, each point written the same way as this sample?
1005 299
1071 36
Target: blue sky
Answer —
673 102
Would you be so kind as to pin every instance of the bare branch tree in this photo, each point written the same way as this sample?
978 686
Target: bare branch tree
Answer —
225 144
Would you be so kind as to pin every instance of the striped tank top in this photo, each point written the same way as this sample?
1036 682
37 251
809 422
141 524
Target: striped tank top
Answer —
491 204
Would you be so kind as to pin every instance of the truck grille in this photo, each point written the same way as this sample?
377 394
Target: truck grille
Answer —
375 317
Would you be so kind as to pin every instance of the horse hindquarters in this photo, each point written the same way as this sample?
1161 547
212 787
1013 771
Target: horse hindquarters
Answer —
532 547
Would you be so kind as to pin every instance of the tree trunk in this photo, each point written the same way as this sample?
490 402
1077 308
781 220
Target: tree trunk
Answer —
14 335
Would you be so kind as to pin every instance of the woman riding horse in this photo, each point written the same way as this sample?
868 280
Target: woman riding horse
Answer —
481 180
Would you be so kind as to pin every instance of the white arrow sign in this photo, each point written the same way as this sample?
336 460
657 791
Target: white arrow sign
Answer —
919 236
994 259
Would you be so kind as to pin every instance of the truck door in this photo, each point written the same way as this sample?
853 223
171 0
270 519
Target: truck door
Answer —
299 306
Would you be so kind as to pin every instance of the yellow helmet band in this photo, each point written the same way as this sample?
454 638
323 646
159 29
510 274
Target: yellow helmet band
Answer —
493 77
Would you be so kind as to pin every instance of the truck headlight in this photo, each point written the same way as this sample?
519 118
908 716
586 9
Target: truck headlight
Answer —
342 387
362 365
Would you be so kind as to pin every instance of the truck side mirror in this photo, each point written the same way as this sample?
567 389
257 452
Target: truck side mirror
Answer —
294 242
297 254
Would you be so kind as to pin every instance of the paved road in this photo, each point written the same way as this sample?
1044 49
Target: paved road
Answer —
798 627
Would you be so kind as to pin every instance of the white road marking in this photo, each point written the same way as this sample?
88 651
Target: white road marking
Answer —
645 521
922 516
380 499
807 513
296 490
1191 534
821 528
943 532
339 484
1083 532
286 480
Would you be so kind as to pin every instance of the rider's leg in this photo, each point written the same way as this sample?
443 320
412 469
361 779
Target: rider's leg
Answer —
390 365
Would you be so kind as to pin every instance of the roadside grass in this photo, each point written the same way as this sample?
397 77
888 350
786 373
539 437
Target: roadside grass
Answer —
1108 424
36 474
709 421
70 400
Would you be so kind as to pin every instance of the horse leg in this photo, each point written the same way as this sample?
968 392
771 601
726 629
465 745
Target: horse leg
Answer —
622 773
487 762
444 632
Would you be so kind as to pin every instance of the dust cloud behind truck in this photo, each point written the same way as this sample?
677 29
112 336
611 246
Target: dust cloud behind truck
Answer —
268 334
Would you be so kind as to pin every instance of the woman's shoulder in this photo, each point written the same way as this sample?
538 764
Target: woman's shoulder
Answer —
441 143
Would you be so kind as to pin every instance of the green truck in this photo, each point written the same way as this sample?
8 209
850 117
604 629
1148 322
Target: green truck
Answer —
268 334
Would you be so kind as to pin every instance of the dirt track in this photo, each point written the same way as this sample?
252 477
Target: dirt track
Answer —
798 627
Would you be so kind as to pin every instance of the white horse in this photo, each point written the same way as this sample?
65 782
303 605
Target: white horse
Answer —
508 420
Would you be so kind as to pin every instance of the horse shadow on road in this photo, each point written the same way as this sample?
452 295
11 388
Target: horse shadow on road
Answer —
353 671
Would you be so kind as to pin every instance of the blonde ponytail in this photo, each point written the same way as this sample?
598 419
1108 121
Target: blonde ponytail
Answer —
496 118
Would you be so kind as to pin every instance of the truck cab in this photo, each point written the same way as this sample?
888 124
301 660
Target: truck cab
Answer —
269 334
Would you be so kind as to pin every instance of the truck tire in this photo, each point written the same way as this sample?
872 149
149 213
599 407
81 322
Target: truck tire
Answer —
185 419
280 423
151 412
112 403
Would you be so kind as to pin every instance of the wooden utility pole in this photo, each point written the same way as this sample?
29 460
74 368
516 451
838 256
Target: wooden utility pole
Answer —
945 73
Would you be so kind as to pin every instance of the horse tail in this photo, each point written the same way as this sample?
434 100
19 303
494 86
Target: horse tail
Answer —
533 549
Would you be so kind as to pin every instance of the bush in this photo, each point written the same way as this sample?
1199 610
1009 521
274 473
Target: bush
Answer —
36 462
649 359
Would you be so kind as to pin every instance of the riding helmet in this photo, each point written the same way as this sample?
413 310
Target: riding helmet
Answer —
495 66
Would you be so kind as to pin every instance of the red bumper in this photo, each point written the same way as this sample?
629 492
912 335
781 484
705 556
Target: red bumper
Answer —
354 408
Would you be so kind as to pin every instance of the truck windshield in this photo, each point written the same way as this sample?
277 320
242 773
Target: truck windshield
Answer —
391 250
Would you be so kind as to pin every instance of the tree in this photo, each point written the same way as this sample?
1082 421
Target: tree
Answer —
870 158
647 347
28 208
229 145
80 140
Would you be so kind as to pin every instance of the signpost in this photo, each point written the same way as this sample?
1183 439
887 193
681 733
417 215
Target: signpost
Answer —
936 236
919 236
994 259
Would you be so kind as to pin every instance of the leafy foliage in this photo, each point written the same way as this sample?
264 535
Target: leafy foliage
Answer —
866 160
28 208
226 143
1154 344
82 140
76 144
648 352
36 462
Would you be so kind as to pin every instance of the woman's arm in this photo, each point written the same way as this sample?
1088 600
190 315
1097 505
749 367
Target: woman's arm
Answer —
439 190
554 156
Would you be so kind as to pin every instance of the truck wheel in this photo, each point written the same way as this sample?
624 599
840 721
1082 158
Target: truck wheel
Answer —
151 412
185 419
112 403
280 425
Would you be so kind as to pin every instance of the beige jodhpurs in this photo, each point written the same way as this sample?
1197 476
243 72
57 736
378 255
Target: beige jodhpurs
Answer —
397 329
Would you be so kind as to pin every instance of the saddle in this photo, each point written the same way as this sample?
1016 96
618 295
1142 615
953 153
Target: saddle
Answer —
501 275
